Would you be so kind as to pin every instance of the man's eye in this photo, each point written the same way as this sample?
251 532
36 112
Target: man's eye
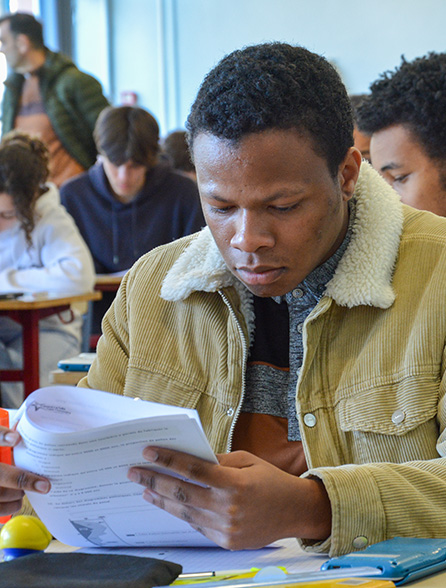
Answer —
285 208
401 179
221 210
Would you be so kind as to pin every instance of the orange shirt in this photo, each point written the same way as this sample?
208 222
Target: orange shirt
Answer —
267 437
32 119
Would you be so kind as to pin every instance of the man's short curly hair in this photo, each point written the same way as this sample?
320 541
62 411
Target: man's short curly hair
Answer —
413 95
275 86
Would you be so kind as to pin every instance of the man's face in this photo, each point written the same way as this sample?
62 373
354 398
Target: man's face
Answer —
273 207
125 180
402 162
9 46
8 214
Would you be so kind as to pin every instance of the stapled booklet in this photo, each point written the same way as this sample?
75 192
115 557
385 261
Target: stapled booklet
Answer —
84 441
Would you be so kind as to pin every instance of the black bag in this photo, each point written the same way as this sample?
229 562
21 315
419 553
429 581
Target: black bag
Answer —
83 570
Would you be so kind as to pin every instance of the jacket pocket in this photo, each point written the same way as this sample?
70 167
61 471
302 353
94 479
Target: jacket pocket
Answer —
392 409
161 388
393 423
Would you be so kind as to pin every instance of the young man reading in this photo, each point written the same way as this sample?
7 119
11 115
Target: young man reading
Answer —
305 324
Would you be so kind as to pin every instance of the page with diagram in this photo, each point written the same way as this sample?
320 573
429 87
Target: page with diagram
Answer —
84 441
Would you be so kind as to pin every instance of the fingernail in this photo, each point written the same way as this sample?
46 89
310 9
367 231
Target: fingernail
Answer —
42 486
11 438
133 476
150 454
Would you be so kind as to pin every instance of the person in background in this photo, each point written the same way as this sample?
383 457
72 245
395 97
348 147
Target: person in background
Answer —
130 201
405 114
177 150
46 95
361 140
40 250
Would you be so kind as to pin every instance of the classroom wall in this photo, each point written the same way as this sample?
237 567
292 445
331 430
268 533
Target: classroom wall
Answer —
161 49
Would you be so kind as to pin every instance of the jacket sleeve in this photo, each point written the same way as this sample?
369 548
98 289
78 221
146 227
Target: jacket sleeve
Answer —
87 96
73 107
378 501
65 265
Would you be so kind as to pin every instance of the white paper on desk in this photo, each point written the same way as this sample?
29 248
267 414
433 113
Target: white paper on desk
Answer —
285 552
84 441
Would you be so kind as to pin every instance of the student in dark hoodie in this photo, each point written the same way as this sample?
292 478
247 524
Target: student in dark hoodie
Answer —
130 201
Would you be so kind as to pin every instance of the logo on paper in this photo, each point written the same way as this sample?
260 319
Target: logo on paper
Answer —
48 407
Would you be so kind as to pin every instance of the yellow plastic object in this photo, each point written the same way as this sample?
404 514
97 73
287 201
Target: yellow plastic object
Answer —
24 532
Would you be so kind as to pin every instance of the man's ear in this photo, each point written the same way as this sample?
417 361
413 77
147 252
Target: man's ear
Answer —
349 171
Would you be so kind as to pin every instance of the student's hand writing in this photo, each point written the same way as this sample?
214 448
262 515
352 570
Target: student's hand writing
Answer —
246 502
14 481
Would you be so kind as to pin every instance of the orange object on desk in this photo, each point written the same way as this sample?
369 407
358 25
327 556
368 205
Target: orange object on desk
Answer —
5 452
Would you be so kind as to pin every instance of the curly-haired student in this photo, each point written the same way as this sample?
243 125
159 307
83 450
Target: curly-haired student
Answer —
40 250
405 114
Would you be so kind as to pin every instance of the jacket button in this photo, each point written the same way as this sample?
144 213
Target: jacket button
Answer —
398 417
230 412
360 542
297 293
310 419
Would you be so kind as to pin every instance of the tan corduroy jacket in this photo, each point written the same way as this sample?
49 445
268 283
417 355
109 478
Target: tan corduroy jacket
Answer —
370 395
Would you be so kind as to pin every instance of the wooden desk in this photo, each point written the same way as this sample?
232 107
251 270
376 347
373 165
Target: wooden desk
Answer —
28 312
66 378
107 282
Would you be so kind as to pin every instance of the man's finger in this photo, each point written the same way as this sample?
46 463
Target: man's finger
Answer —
8 438
171 487
185 465
16 478
206 522
10 494
199 518
9 508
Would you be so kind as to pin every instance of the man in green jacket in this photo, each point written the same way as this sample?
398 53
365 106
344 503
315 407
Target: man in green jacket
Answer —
305 323
48 96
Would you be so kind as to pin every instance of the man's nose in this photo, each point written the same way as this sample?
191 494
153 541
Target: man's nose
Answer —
122 172
251 232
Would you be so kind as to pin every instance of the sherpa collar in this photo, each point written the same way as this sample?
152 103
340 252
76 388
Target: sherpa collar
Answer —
363 275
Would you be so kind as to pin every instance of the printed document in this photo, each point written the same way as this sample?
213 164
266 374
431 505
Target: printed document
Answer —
84 441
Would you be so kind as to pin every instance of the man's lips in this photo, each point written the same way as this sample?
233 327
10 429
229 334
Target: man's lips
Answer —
259 275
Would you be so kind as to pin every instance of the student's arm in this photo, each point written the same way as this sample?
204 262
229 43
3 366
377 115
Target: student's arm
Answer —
245 503
373 502
86 96
62 261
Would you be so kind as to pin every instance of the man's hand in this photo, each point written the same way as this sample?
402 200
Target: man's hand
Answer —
14 481
243 503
